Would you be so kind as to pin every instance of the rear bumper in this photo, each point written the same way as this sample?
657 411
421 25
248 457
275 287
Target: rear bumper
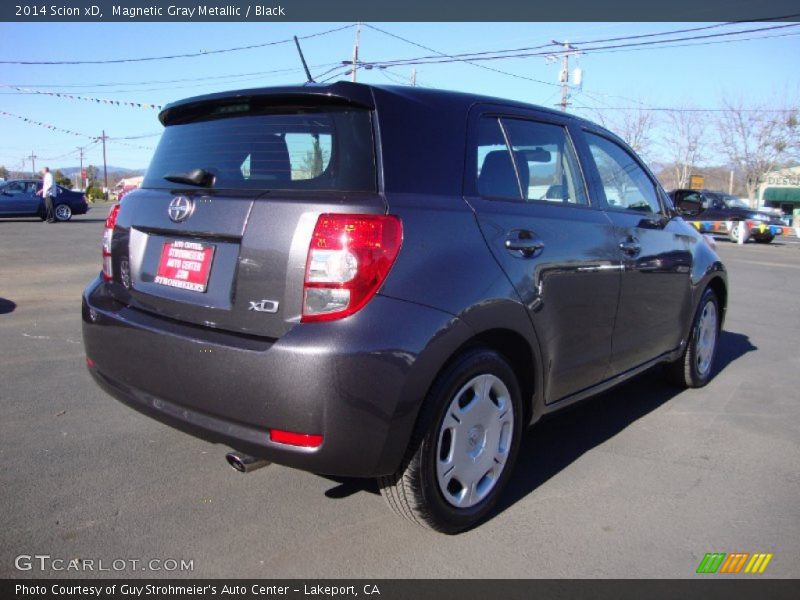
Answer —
358 382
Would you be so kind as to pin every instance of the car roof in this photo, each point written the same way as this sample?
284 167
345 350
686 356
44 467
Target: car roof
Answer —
424 119
361 94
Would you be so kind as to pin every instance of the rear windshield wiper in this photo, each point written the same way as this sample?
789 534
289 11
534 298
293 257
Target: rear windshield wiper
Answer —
198 177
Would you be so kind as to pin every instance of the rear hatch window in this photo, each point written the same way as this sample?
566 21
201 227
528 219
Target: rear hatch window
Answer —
268 148
218 235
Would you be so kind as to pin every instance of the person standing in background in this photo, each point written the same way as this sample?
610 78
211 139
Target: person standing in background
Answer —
48 192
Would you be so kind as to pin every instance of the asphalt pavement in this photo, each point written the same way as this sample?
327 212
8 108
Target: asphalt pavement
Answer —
639 482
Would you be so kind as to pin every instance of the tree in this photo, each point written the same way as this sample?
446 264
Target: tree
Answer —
758 139
91 174
633 125
62 179
684 141
3 172
314 160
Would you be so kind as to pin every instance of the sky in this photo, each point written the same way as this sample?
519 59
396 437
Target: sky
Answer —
755 71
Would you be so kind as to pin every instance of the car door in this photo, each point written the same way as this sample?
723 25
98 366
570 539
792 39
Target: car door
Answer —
525 183
12 198
655 252
29 200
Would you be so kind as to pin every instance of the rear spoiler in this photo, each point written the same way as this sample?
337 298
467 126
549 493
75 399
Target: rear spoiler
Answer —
338 94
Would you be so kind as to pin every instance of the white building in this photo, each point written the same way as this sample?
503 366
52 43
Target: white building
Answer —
781 189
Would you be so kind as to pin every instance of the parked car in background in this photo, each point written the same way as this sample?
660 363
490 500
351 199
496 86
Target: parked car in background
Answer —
705 205
392 282
19 198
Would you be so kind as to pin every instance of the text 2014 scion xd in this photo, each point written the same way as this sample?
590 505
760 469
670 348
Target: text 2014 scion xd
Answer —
392 282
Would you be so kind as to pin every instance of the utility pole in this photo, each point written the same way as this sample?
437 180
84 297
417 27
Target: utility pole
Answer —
33 158
414 77
80 173
730 183
355 50
104 137
563 75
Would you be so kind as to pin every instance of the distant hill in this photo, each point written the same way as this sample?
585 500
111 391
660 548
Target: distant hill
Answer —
124 171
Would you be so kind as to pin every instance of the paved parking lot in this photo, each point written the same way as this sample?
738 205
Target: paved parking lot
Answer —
640 482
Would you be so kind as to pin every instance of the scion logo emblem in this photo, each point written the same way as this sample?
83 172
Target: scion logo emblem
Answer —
267 306
180 209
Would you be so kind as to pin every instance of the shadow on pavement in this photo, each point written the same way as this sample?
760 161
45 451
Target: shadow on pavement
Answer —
556 442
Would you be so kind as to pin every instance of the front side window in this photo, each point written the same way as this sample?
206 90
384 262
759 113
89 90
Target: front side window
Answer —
624 182
527 160
691 201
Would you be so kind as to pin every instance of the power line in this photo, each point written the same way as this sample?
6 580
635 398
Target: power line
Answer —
129 145
137 137
486 67
79 150
331 70
126 103
172 56
347 71
690 45
158 81
688 30
513 53
596 41
683 110
46 125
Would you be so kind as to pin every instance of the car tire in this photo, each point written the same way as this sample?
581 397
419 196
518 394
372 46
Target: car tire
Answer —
733 234
696 366
765 239
62 212
463 447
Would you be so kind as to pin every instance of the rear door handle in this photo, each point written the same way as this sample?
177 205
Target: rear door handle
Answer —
523 243
631 246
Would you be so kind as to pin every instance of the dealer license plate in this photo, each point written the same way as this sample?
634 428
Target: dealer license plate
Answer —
185 265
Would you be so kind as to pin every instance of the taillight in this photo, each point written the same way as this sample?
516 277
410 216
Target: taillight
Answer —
108 235
348 261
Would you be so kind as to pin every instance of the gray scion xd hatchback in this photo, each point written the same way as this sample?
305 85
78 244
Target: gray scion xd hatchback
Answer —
392 282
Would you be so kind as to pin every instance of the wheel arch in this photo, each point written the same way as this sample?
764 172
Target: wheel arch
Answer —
720 289
517 351
495 326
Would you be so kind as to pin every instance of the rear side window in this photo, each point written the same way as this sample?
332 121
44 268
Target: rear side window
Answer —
497 176
527 160
306 149
625 183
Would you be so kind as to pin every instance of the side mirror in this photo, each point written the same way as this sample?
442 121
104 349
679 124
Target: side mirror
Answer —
689 210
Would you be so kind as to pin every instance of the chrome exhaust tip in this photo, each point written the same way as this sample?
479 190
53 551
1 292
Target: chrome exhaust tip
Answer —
244 463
